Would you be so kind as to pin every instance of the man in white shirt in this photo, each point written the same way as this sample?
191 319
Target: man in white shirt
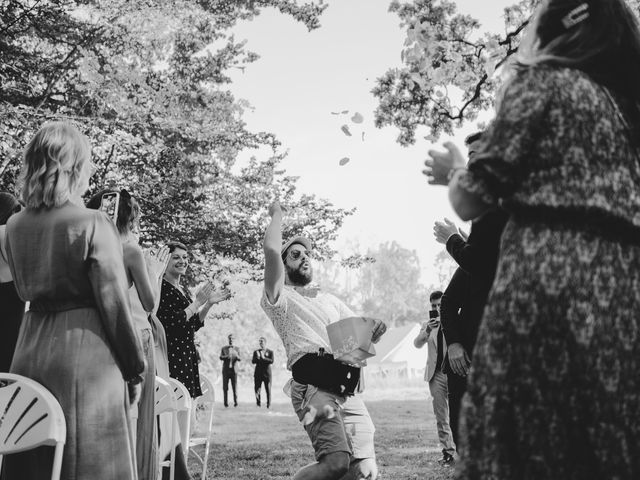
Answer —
322 389
432 335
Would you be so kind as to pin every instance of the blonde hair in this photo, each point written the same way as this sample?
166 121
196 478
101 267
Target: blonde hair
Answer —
54 165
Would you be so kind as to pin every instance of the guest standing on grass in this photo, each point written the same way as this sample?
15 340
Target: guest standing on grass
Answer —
323 390
431 334
262 359
555 386
78 338
182 317
144 273
230 356
11 305
466 295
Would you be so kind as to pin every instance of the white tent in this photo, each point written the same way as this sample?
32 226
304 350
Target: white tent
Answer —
396 356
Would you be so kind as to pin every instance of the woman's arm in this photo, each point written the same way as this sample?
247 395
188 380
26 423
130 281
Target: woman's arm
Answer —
135 263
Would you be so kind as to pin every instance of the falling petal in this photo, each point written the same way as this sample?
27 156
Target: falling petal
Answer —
431 138
357 118
344 161
345 111
345 129
363 136
335 113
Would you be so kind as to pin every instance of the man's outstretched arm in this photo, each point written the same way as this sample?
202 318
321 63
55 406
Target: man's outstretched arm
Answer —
273 266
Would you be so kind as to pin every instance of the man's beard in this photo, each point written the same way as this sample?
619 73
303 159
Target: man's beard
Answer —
299 278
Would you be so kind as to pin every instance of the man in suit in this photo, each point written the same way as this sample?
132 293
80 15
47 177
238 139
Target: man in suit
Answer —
229 355
431 334
262 358
465 297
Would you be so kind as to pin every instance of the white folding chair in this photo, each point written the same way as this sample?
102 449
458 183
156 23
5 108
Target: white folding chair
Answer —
183 404
165 402
205 402
30 416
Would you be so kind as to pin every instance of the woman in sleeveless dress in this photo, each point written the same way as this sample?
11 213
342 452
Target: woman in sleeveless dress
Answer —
78 338
144 272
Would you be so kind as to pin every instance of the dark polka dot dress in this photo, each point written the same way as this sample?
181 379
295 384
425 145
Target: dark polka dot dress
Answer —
180 330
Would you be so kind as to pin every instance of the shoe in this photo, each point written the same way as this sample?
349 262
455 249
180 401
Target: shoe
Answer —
235 404
226 405
447 459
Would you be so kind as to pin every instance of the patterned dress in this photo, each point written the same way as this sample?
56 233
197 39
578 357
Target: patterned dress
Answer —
555 386
180 330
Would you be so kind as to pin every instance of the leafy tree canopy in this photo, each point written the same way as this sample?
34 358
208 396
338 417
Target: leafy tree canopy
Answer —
448 69
146 82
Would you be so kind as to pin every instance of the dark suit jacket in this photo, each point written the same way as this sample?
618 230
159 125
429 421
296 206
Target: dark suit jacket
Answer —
464 300
229 364
263 365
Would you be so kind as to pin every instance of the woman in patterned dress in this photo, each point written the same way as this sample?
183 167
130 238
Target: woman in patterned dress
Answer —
555 386
182 317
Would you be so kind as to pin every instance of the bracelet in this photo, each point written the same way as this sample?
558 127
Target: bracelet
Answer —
453 171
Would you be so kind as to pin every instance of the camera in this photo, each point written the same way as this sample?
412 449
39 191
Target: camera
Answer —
434 314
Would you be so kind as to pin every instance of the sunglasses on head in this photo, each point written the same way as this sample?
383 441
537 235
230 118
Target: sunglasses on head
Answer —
295 254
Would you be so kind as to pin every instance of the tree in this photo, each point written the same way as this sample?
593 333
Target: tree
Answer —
146 82
449 66
390 287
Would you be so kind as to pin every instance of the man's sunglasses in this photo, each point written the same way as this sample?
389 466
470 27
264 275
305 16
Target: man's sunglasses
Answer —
295 254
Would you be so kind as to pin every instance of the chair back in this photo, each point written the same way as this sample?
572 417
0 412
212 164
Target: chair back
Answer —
181 394
30 416
208 393
164 398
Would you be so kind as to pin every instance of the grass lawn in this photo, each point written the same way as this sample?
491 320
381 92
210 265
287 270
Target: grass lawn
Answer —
251 443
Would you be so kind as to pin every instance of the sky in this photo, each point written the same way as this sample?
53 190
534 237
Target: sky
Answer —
303 76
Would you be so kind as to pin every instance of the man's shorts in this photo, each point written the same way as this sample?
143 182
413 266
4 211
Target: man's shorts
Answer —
349 430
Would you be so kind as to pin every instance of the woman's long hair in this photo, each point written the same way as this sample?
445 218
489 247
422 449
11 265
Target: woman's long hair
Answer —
55 165
605 45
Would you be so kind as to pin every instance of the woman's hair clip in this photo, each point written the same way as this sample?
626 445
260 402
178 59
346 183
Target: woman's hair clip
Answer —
575 16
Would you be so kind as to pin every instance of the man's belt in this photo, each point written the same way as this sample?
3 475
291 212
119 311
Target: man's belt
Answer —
323 371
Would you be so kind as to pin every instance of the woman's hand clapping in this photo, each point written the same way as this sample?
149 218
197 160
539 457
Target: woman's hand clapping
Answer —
157 260
204 292
219 296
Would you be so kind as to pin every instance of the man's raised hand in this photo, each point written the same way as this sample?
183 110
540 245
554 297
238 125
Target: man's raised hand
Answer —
275 208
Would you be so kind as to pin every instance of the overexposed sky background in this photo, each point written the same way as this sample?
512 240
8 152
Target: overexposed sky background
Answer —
303 76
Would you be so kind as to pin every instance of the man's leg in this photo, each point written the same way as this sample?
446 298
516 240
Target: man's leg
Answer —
257 382
326 432
267 389
439 392
457 385
360 432
225 387
234 378
365 468
331 466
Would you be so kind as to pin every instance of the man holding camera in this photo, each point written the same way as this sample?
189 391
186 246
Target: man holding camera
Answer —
323 390
432 335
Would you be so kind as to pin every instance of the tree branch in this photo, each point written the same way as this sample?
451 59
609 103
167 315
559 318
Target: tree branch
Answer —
26 12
